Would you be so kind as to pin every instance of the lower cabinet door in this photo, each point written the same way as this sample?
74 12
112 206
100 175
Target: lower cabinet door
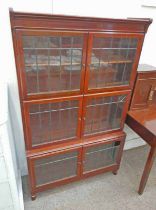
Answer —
54 168
100 157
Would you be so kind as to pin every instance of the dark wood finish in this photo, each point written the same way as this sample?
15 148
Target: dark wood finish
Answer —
119 156
98 163
63 22
80 173
48 123
96 114
106 63
54 57
22 72
144 93
76 143
41 187
147 169
143 123
142 116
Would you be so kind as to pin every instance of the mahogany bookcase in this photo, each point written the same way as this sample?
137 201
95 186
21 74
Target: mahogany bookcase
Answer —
75 77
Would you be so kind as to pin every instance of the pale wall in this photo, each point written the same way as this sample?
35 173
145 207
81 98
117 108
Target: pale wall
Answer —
100 8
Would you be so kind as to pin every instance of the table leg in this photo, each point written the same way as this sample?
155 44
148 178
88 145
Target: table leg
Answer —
147 169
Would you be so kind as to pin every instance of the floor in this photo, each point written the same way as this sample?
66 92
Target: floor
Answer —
102 192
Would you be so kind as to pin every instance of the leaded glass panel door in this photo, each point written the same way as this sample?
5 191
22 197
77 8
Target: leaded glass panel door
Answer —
104 112
55 167
52 121
99 156
111 61
52 62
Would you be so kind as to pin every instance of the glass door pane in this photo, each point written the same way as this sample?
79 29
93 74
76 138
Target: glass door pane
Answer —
100 156
53 63
111 62
54 122
56 168
103 114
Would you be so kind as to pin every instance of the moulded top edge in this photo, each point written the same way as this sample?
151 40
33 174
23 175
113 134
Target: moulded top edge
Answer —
79 18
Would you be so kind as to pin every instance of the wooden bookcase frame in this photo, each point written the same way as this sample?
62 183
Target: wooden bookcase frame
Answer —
40 25
81 149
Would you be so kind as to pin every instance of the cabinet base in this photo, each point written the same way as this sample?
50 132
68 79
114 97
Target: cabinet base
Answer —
111 150
33 197
115 172
107 169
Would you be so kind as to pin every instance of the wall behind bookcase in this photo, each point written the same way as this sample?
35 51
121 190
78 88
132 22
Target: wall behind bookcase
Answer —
99 8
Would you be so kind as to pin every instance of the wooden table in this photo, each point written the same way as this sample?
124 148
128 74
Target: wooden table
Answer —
143 122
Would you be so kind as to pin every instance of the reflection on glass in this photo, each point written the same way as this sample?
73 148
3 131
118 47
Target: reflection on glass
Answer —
100 156
52 63
104 114
55 168
111 61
